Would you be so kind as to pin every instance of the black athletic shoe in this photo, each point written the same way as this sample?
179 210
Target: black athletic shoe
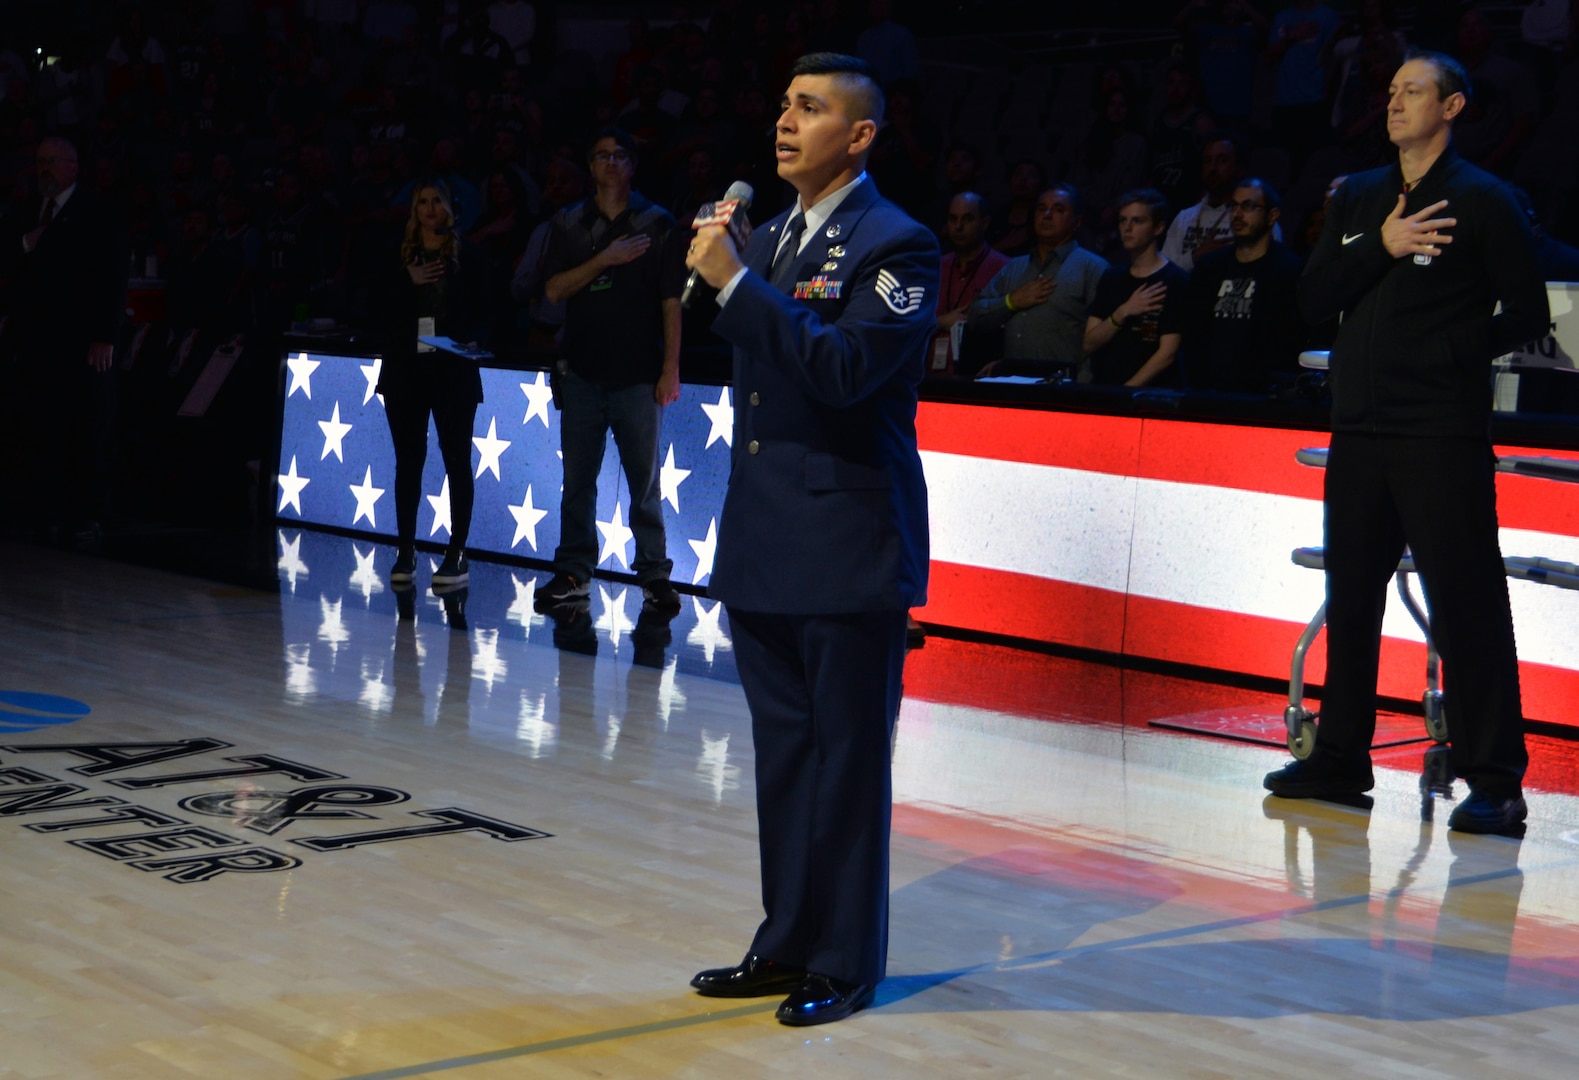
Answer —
661 595
562 589
405 567
1313 780
454 570
1497 816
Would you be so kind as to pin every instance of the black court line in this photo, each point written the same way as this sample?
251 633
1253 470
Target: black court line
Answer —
922 982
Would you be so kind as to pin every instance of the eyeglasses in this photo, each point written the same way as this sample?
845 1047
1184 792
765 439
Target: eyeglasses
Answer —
1246 206
618 157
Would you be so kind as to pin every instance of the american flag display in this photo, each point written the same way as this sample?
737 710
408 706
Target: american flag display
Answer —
1171 540
337 466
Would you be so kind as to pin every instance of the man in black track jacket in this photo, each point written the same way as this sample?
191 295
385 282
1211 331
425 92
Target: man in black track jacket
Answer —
1416 256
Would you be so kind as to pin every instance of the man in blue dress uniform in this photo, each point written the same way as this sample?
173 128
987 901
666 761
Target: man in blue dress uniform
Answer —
823 544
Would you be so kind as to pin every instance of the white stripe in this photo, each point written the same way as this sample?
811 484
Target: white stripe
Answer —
1225 548
1063 524
1208 547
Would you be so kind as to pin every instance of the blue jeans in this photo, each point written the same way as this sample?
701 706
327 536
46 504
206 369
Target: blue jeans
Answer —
589 412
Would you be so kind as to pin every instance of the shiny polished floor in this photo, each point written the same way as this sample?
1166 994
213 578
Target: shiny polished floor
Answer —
247 834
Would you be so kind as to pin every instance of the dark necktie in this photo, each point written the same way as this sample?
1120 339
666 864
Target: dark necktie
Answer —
788 253
49 212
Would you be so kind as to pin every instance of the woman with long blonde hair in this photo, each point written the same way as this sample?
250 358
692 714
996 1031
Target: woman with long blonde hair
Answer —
439 290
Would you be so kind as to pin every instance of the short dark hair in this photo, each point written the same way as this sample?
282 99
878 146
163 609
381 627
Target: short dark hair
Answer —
981 203
622 138
1152 199
1225 137
1274 201
1076 200
1451 78
855 77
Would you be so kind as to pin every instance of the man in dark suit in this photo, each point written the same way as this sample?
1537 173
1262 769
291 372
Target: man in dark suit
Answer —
823 543
66 263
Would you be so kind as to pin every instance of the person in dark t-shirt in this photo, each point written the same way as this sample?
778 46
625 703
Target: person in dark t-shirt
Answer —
612 260
1245 329
1134 324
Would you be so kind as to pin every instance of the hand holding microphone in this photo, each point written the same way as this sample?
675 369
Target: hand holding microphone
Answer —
713 256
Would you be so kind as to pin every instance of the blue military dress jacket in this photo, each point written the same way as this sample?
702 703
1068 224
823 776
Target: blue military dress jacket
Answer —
826 511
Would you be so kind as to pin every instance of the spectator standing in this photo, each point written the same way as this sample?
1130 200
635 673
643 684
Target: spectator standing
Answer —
66 259
888 46
967 268
541 320
1112 161
1298 43
1208 225
1501 112
439 289
1135 326
1227 42
516 22
904 158
612 261
1174 142
1041 299
476 54
1245 329
1012 232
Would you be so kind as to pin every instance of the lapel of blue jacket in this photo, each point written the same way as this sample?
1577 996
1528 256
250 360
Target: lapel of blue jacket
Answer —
759 255
843 222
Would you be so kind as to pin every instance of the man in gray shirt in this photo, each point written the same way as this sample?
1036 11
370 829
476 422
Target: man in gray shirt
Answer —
1040 299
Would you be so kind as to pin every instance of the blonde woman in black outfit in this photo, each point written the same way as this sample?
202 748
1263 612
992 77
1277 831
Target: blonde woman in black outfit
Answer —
440 289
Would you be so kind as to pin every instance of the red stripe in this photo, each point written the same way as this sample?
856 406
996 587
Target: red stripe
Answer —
1057 612
1019 605
1252 644
1105 444
1183 452
1524 502
1548 693
1223 455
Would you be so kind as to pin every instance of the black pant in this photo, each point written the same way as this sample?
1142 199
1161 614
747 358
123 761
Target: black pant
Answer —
453 417
824 694
1437 496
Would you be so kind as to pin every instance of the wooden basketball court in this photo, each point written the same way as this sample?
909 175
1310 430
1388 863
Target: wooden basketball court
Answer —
247 834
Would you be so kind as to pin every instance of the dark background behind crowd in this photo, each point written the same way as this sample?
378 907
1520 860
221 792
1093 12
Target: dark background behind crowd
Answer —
260 154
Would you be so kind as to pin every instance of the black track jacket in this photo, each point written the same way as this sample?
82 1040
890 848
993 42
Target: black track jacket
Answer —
1413 354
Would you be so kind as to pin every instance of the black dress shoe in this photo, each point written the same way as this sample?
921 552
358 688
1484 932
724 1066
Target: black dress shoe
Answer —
752 977
1493 815
821 1000
1313 779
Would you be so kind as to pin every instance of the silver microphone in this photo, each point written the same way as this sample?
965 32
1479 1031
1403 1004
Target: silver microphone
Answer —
736 200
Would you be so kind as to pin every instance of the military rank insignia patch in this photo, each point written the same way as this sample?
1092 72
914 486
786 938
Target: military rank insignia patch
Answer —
900 300
818 288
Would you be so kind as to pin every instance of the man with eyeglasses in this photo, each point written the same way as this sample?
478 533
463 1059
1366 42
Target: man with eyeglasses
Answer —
66 258
1245 328
612 262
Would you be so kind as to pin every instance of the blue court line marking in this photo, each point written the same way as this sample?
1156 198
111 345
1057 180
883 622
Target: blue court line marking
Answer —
566 1043
927 982
198 615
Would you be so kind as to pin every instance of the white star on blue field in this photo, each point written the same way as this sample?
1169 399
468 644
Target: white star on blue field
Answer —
337 466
